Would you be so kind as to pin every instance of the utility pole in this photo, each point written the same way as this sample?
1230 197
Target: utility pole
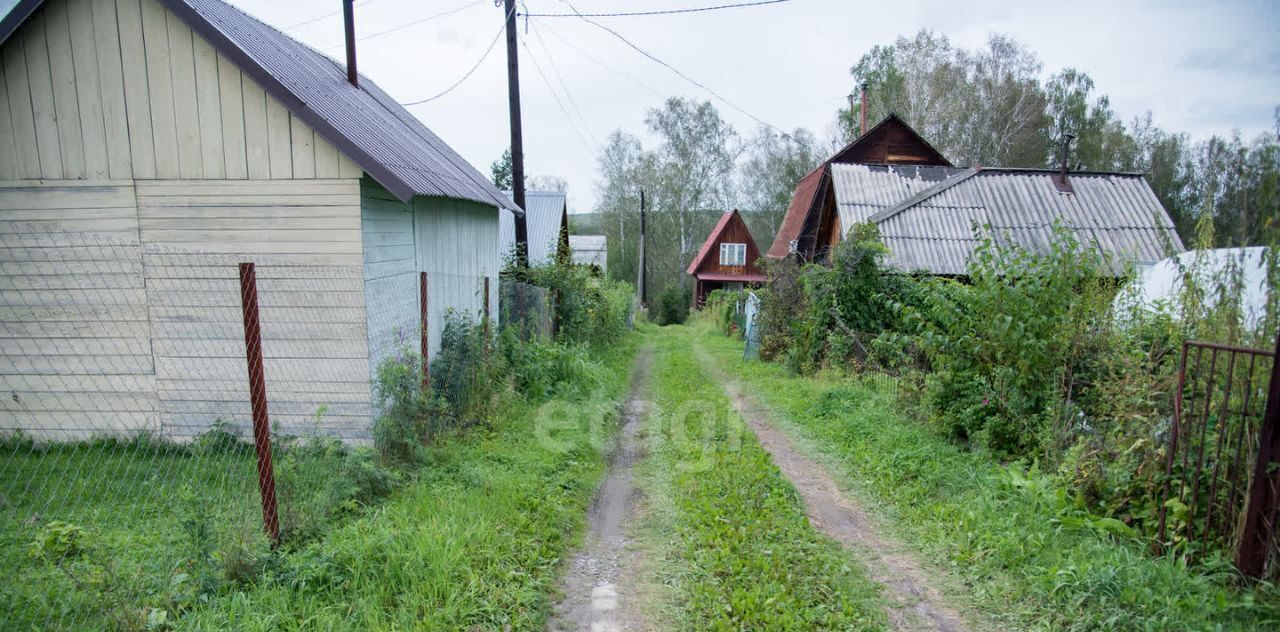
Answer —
517 138
644 269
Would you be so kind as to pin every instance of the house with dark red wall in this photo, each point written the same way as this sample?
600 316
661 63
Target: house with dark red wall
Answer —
727 259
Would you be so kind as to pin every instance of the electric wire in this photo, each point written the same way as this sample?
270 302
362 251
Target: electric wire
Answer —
567 116
564 87
687 78
457 9
602 64
322 17
628 14
472 71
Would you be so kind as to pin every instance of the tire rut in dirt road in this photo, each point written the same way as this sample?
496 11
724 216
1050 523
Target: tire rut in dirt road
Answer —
915 603
598 595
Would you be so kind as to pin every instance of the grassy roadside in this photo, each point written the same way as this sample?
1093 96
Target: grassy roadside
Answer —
474 543
735 547
1010 537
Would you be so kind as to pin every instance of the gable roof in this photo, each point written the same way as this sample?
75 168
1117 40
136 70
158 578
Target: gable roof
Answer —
730 217
802 201
931 226
363 122
891 141
545 219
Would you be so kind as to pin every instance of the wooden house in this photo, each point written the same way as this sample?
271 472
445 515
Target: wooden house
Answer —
812 224
931 215
727 259
547 222
147 147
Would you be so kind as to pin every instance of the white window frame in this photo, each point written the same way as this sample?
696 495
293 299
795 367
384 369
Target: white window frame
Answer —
733 254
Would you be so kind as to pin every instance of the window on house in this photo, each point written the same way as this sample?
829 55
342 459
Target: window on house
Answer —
733 254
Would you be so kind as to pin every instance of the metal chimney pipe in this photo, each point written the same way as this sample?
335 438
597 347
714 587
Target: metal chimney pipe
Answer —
864 109
349 25
1067 137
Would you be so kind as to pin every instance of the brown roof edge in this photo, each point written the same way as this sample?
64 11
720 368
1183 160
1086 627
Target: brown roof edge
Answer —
892 117
802 203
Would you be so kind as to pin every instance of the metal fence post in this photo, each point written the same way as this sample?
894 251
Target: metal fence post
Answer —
1264 493
258 399
486 313
426 340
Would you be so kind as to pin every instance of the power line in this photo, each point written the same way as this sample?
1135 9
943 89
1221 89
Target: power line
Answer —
593 58
325 16
629 14
563 85
681 74
406 25
472 71
538 67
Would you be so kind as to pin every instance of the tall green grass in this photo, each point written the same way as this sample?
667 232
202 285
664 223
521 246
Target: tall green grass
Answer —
475 542
736 547
1025 553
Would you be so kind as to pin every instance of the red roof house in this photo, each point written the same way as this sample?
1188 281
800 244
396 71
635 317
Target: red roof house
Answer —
727 259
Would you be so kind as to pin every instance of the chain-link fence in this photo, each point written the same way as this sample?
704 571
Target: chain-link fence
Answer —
171 417
527 310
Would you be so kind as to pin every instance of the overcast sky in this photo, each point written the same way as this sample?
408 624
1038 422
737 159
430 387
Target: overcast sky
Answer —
1199 67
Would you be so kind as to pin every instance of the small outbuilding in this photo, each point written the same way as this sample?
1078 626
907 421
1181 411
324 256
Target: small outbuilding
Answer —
547 225
727 259
590 250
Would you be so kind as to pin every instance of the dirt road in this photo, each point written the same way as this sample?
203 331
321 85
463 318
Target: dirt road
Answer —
915 602
597 591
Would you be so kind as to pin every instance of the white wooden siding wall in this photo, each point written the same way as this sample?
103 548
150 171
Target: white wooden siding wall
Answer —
305 239
98 89
390 273
457 246
454 242
75 345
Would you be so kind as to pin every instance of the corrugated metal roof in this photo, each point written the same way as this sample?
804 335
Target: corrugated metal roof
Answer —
366 124
544 216
933 230
865 190
589 249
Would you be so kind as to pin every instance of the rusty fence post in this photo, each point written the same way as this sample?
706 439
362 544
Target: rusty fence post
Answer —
425 341
1264 493
258 400
486 314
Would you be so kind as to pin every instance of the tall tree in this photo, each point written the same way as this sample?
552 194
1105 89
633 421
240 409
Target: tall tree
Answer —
772 167
500 171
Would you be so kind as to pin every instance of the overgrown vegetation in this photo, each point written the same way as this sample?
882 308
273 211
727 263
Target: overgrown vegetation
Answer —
1027 552
474 541
738 551
1030 357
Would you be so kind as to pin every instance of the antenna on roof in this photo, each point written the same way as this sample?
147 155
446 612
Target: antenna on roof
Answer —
349 25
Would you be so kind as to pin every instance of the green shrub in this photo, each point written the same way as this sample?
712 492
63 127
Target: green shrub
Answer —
589 309
672 307
1005 344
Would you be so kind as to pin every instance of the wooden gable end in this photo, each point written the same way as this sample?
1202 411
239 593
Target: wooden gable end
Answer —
732 231
891 142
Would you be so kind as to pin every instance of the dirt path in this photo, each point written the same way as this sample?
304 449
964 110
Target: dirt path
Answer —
915 602
597 590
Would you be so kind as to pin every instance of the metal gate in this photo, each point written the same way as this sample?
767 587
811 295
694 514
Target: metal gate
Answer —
1222 481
